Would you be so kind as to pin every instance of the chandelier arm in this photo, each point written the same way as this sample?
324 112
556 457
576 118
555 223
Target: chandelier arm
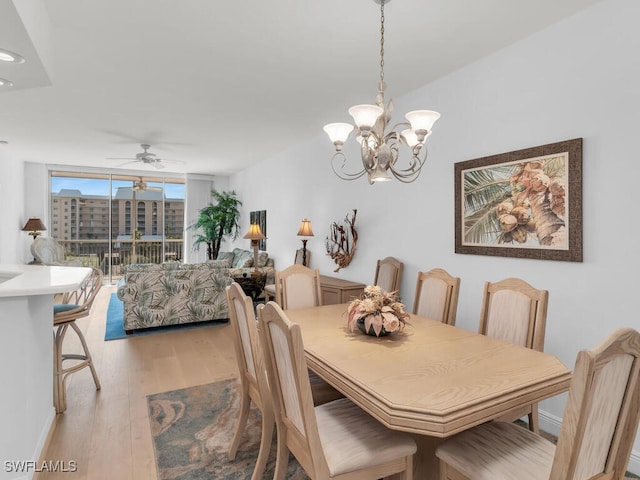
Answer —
340 171
409 174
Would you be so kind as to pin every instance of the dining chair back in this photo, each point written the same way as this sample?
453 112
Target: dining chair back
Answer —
596 436
514 311
74 305
437 296
298 286
270 289
334 440
253 376
389 274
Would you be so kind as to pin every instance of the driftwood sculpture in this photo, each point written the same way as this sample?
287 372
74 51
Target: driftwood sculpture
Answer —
341 247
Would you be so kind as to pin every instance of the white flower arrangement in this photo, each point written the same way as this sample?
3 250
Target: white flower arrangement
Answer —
378 310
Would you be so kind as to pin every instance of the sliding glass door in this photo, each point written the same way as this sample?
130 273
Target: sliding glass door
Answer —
111 220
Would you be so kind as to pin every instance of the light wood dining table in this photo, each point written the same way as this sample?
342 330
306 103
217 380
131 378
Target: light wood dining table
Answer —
430 379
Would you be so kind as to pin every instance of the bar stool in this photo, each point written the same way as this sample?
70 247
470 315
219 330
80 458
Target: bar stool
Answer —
75 305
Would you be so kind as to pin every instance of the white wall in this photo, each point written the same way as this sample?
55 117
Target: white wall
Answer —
13 240
578 78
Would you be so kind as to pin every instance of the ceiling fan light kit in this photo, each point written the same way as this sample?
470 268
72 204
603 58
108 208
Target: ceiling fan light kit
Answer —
380 149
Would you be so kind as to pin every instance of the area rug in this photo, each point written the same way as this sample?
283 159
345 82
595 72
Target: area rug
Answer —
192 429
114 328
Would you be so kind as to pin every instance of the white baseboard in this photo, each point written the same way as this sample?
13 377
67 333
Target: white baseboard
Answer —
551 424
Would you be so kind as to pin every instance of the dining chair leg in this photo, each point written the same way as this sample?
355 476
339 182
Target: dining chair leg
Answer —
245 404
268 422
282 455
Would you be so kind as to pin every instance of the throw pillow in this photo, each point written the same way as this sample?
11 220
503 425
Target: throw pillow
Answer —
243 259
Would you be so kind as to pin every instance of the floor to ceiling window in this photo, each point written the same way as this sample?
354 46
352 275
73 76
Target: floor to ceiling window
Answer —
111 220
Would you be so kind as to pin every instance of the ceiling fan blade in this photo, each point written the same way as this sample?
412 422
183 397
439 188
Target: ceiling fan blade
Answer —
125 163
121 158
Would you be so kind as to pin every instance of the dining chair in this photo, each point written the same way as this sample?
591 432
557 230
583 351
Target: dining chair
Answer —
270 289
515 312
298 286
596 436
74 305
336 440
389 274
437 296
253 376
254 385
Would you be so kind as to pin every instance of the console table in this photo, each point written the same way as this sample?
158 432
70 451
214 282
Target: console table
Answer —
336 290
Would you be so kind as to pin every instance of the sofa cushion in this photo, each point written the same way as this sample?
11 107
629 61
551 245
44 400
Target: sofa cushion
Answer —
262 259
242 258
228 256
219 263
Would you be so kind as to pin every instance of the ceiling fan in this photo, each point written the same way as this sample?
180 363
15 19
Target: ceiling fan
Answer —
141 186
146 157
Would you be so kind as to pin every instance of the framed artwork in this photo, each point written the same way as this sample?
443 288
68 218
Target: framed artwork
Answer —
525 204
260 217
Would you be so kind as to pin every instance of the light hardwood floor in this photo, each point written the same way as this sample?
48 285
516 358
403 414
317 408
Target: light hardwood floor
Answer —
107 432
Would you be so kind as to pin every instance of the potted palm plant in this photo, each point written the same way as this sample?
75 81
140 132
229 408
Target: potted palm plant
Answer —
216 221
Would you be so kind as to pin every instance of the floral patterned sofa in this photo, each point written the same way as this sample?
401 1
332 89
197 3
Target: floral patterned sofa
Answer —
169 294
172 293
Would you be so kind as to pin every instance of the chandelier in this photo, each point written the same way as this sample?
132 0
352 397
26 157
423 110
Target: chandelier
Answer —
380 148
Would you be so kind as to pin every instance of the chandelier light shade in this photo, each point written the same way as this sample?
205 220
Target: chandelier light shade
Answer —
380 146
34 226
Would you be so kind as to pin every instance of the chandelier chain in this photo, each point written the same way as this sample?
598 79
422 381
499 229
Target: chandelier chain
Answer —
381 86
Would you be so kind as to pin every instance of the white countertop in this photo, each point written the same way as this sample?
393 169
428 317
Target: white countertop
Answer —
21 280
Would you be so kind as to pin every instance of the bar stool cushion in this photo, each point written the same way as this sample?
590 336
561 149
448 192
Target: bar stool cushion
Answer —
63 307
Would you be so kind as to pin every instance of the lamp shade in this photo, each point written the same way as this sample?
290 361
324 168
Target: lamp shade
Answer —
422 119
365 116
34 224
254 232
338 132
305 228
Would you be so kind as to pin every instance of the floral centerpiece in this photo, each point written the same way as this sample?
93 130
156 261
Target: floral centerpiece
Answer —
376 312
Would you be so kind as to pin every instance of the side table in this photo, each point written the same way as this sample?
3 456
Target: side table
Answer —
251 284
336 290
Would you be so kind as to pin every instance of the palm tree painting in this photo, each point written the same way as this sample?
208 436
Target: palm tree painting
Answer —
520 203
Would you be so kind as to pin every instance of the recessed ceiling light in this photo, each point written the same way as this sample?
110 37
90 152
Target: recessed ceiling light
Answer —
7 56
5 83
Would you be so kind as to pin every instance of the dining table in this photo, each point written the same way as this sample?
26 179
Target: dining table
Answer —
430 379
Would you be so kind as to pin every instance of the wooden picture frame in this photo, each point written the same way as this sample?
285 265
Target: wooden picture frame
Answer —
524 204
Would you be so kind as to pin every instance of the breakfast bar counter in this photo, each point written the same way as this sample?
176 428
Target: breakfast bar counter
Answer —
26 362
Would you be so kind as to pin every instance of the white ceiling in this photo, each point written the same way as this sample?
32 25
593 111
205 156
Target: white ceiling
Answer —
218 84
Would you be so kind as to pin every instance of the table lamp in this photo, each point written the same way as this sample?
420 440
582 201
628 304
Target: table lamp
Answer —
34 226
255 235
305 231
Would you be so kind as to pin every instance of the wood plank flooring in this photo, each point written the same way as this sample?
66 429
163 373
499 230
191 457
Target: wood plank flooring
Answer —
107 432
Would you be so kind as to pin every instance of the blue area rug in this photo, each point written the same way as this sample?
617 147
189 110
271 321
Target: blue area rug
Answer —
115 329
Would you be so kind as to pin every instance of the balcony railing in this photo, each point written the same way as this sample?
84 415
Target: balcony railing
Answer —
95 253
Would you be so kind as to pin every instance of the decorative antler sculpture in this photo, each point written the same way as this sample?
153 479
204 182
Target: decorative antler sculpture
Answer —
341 247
